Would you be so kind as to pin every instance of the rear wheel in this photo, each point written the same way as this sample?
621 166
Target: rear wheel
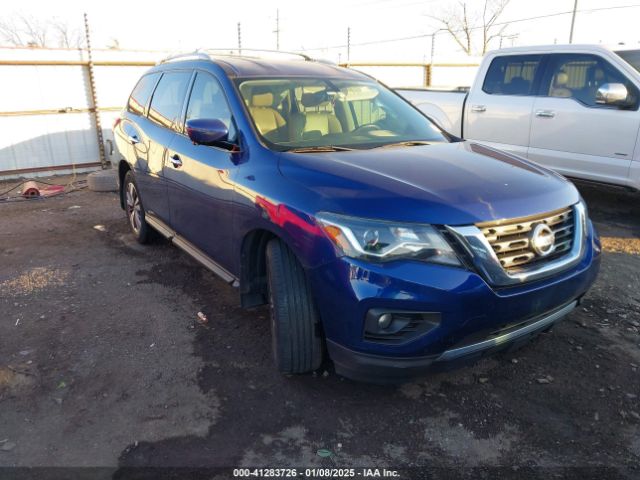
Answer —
296 340
134 209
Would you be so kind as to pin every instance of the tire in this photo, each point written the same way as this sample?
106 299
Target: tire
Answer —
134 209
296 342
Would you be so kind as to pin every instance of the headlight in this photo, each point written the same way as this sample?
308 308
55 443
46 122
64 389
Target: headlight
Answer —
385 241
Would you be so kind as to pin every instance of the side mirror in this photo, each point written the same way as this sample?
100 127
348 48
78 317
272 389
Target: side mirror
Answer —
207 131
612 94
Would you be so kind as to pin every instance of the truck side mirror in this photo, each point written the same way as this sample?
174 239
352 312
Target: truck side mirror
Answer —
612 94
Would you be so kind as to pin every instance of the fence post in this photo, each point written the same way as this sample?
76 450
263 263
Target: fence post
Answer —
94 97
427 74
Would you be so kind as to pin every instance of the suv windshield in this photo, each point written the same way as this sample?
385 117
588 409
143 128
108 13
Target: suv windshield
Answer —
632 57
322 113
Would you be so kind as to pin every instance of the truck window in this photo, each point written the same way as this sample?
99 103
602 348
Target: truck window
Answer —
141 93
207 100
578 76
168 98
512 75
632 57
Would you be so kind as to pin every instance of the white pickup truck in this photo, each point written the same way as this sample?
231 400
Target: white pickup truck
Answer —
573 108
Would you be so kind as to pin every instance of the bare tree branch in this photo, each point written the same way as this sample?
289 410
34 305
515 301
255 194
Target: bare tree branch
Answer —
462 22
10 33
27 31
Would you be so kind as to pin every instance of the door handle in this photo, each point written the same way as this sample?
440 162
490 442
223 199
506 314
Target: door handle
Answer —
478 108
175 161
133 139
545 114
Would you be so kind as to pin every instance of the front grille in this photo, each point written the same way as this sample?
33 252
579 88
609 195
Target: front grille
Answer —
510 239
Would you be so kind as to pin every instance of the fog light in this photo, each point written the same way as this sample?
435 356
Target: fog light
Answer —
397 326
385 320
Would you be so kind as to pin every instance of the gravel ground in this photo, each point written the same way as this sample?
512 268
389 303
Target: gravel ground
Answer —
103 362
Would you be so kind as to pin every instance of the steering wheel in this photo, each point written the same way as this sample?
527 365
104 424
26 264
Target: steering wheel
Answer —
367 127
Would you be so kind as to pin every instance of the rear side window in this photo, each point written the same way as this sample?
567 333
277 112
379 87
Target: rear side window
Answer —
168 98
579 76
141 93
512 75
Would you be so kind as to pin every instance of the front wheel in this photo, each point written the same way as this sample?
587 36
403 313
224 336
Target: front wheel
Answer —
134 209
296 340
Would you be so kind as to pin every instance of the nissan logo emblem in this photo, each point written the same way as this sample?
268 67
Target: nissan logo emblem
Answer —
542 240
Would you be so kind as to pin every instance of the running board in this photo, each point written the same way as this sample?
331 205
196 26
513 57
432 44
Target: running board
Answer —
197 254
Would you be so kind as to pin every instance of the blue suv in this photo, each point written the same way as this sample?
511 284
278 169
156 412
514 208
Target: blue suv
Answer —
377 239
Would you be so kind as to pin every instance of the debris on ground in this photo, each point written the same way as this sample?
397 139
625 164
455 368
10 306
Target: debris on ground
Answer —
7 446
202 318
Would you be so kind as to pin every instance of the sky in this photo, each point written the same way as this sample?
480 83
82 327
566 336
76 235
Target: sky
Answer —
314 26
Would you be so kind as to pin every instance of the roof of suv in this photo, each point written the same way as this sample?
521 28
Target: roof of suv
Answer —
250 66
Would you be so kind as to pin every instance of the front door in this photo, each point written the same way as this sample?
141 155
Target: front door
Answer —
573 134
201 178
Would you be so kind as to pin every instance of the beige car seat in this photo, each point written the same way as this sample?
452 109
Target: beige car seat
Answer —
268 120
559 86
319 115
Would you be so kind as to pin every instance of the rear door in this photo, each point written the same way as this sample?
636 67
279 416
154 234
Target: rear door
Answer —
130 134
498 113
159 129
201 178
573 134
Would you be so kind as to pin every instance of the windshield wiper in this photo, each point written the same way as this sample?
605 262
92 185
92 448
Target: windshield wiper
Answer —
408 143
320 148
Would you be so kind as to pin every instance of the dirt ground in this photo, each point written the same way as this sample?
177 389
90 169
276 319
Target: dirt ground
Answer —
103 363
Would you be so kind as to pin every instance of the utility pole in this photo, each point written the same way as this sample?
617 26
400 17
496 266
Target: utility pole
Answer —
94 96
573 20
239 38
348 44
277 30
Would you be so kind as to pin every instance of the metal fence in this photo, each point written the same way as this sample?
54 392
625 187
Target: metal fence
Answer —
47 111
48 114
419 74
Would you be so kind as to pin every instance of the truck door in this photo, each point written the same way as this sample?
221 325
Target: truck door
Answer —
571 132
498 112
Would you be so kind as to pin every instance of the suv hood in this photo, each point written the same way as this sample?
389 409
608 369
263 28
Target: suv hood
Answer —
454 184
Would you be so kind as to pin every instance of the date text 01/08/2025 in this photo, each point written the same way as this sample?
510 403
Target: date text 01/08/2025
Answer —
315 473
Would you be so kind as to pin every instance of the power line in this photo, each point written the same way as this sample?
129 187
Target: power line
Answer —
424 35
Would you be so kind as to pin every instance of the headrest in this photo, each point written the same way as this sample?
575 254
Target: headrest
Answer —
562 78
262 99
314 99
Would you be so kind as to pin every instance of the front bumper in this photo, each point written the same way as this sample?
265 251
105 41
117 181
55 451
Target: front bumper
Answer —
383 369
475 319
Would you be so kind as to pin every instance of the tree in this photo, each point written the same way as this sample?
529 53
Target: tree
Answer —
23 31
462 22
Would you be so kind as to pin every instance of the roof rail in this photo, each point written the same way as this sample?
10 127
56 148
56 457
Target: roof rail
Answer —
195 55
250 52
207 53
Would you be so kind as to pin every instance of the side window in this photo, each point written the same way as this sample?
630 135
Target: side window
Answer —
207 100
512 75
168 99
579 76
141 93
